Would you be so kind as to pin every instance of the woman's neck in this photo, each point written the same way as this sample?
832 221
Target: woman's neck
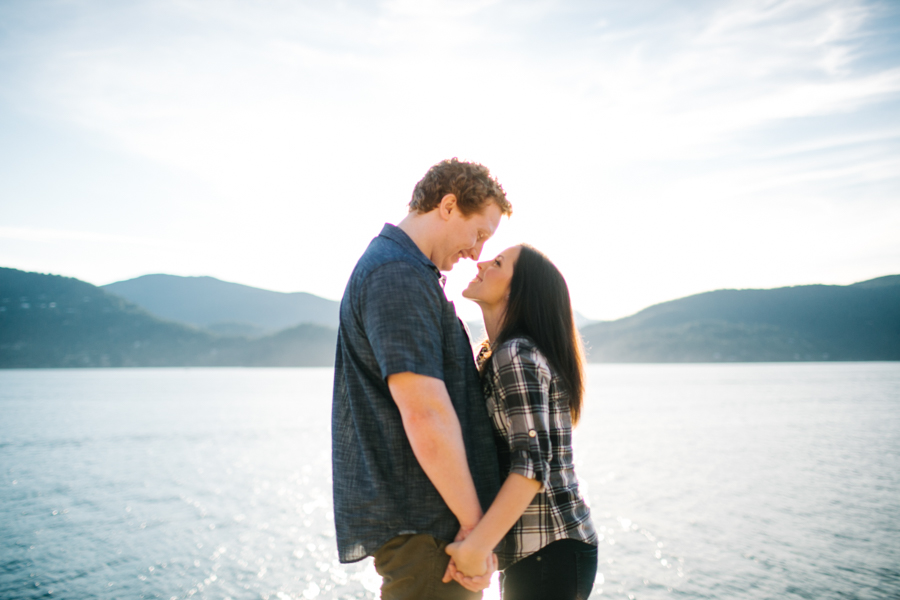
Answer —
493 320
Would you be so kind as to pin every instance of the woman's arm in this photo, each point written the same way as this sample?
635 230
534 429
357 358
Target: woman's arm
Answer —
473 555
522 385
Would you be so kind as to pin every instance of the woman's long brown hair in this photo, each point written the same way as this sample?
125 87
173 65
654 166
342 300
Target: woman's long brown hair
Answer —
539 307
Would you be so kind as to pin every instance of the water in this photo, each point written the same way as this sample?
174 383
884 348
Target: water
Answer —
706 481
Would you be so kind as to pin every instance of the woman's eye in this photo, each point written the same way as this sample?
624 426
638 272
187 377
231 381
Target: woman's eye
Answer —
497 262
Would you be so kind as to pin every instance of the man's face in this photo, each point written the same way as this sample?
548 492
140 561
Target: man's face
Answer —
465 236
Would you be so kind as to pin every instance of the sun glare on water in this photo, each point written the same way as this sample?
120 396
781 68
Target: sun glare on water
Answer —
493 592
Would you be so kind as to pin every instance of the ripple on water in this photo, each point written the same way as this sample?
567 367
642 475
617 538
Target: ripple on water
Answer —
709 481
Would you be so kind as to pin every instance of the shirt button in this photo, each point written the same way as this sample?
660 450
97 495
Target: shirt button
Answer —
532 433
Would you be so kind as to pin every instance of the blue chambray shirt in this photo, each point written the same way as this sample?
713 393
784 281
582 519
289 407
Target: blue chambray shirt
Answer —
395 318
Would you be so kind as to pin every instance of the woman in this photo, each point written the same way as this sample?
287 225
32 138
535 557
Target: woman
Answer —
531 369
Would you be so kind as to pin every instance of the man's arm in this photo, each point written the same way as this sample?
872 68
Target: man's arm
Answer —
434 433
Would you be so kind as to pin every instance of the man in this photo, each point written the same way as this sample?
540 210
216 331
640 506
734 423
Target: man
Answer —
413 455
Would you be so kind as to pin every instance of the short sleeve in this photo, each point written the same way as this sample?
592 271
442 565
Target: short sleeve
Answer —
400 311
522 383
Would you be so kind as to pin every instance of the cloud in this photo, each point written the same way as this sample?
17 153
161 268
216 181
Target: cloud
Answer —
229 91
621 111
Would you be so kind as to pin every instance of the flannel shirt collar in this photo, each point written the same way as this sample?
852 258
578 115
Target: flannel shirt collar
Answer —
399 237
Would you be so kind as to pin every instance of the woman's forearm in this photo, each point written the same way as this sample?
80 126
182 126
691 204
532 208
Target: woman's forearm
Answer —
512 500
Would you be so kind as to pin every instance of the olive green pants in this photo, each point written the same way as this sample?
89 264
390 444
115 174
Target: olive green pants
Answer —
411 568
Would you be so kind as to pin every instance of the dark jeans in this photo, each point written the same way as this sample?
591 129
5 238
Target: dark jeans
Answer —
563 570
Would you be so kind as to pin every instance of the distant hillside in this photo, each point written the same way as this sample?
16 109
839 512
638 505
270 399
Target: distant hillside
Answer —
812 322
476 328
223 307
53 321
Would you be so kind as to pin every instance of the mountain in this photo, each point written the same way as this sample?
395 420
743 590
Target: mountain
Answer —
811 322
53 321
582 321
224 307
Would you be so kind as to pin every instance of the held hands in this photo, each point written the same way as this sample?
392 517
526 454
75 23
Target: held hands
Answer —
469 561
469 566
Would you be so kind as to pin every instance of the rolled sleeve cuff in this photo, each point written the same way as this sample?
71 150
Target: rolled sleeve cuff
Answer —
406 366
529 464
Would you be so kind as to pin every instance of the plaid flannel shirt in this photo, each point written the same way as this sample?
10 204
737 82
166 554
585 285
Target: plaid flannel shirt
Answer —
533 430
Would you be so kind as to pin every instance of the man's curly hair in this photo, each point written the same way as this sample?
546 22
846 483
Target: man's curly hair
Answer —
471 183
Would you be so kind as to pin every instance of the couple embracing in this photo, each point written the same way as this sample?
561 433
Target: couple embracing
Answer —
423 436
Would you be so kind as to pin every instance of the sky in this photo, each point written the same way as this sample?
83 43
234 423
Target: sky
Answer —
652 150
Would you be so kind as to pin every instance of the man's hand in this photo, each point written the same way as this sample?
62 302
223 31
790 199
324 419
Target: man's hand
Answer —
474 584
470 581
450 573
470 561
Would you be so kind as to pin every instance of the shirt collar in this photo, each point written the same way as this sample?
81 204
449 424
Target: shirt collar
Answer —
400 237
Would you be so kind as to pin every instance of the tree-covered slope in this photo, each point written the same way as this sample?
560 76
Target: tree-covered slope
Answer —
53 321
813 322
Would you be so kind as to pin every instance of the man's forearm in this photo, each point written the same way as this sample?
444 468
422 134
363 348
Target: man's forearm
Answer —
434 433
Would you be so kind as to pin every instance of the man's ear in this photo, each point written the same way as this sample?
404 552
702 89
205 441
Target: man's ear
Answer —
447 206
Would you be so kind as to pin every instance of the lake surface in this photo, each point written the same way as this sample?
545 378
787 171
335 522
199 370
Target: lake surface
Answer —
705 481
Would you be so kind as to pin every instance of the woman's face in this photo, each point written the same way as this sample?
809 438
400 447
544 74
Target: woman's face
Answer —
490 288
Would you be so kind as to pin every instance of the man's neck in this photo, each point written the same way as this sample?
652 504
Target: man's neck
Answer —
419 229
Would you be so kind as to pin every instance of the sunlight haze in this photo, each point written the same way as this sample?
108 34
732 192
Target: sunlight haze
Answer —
652 150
